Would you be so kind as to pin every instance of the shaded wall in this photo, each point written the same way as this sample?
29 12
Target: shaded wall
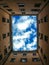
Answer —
43 19
4 35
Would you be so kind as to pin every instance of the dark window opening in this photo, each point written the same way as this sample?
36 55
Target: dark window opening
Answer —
3 19
4 36
37 5
45 19
46 38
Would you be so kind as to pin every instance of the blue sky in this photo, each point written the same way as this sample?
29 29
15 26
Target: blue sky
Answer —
24 33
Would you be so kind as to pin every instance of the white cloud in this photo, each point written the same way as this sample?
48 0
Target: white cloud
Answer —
25 35
23 22
24 48
21 44
23 18
18 44
24 25
33 43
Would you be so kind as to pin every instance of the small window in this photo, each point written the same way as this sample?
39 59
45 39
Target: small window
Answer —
7 20
8 34
0 57
38 21
41 50
46 38
35 10
8 47
41 36
5 6
12 60
24 54
24 60
10 10
41 20
38 47
4 36
35 59
13 12
23 13
23 10
14 53
5 51
45 58
34 53
45 19
0 37
37 4
21 4
3 19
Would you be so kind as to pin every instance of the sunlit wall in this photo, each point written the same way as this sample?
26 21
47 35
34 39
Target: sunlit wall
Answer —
24 33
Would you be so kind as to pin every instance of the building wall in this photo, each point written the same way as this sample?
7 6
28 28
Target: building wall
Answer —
4 35
17 57
43 19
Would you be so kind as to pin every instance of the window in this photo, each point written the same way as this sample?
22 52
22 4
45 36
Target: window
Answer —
45 58
12 60
37 4
4 36
9 47
24 32
10 10
38 21
5 51
15 53
23 13
23 10
0 57
34 53
6 6
38 47
3 19
21 4
46 38
8 34
24 60
41 20
41 36
45 19
35 10
7 20
0 37
13 12
35 59
24 54
41 50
